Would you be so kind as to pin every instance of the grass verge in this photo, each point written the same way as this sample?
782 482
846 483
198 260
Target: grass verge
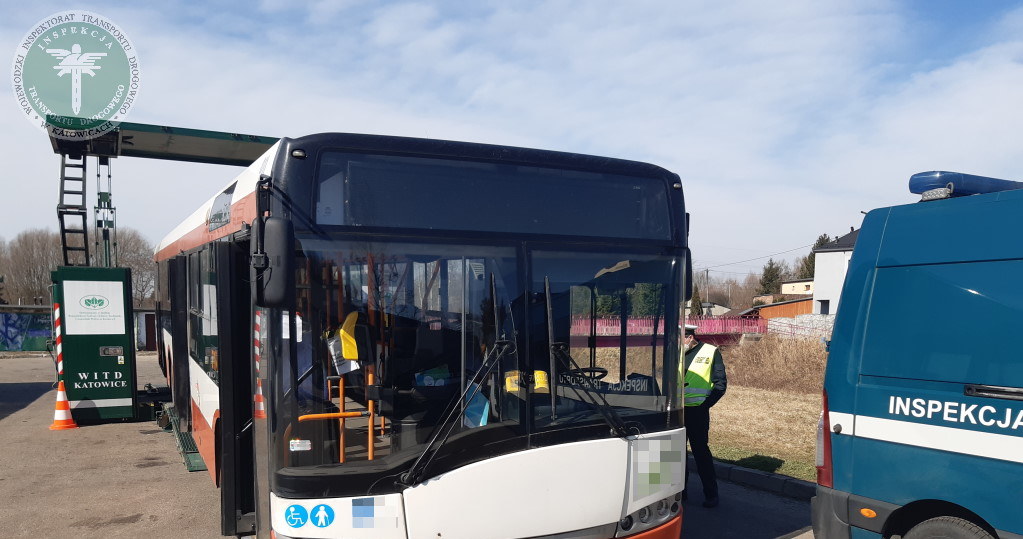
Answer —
769 430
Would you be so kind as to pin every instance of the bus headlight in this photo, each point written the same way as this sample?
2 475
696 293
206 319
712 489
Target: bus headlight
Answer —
649 516
662 508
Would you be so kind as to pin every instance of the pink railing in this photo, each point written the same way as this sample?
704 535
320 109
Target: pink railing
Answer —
727 324
645 326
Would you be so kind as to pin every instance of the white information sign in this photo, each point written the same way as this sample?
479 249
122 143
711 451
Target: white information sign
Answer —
94 308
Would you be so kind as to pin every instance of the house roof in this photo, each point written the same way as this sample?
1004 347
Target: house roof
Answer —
751 310
810 280
844 243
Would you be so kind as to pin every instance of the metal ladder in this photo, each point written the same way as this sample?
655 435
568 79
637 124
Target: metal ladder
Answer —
106 217
71 211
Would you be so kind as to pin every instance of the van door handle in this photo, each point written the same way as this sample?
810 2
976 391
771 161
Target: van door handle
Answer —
993 392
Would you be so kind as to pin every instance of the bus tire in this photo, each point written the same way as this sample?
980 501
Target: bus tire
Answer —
947 528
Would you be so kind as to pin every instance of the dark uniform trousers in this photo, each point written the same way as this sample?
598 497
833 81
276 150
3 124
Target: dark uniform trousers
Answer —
697 422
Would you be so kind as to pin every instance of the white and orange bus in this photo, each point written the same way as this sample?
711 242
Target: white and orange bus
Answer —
372 336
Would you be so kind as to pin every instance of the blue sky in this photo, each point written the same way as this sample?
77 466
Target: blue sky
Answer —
785 120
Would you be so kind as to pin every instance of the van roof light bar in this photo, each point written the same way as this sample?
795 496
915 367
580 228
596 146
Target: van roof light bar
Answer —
936 185
937 194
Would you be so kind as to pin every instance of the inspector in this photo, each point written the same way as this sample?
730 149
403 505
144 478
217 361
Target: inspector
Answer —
705 383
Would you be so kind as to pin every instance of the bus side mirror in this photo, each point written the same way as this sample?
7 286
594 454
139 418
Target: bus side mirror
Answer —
689 275
279 277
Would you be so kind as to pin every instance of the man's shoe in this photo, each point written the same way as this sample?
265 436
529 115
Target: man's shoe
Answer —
711 503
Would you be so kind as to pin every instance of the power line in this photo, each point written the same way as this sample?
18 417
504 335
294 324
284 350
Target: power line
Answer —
728 272
757 258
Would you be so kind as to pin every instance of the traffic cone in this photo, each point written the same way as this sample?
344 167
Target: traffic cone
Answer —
260 407
62 412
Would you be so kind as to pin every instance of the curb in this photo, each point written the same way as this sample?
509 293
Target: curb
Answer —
771 482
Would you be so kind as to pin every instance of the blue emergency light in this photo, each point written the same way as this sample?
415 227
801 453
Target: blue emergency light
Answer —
939 184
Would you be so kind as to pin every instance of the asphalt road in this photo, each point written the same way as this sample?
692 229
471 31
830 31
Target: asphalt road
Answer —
127 479
109 480
746 513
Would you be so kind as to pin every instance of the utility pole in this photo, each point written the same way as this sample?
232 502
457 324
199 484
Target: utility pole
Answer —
706 283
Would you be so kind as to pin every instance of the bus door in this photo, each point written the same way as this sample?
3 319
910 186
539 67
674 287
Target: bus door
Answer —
177 284
235 438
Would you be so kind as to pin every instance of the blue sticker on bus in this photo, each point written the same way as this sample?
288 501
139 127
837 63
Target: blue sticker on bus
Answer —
322 516
296 516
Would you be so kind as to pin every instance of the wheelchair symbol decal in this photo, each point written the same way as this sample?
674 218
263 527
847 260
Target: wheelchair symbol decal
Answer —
296 516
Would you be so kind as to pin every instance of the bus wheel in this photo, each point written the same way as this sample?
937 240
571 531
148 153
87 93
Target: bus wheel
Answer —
947 528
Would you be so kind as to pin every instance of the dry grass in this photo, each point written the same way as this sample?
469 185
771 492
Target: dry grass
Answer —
768 418
777 363
774 431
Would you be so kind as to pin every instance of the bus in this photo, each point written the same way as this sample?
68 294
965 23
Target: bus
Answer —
921 435
389 337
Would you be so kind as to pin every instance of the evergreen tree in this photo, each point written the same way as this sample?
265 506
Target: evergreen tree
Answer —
771 277
806 264
696 304
645 299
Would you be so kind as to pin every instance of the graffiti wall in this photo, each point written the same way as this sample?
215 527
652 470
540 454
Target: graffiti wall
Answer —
24 332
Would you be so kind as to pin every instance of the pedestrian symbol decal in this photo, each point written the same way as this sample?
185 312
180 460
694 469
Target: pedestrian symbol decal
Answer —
296 516
323 515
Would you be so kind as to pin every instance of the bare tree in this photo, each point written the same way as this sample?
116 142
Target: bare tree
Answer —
31 256
27 261
742 295
732 292
134 251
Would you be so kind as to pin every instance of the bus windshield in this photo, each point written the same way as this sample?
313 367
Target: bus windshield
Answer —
458 352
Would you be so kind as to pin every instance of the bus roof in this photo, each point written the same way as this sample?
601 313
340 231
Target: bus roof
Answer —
478 151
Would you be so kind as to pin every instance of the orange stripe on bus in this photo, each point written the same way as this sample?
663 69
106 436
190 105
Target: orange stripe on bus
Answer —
242 212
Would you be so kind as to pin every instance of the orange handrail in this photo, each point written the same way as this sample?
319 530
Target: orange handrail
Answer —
341 421
370 436
335 415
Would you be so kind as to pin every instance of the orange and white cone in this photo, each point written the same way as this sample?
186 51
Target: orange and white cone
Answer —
259 411
62 412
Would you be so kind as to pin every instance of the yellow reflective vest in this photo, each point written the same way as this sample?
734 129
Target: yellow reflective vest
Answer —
697 378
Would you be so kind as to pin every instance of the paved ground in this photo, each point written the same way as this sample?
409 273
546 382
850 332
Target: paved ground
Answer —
127 479
746 513
111 480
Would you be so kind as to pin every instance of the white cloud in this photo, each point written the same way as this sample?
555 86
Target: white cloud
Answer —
784 121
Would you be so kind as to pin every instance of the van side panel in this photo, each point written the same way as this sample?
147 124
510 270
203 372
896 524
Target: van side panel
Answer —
958 322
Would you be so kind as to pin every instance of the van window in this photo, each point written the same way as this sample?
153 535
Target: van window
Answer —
947 322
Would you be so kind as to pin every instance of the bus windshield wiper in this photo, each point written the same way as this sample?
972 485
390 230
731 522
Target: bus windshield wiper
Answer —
415 474
456 407
560 349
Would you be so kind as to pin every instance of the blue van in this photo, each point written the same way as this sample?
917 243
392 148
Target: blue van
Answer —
921 434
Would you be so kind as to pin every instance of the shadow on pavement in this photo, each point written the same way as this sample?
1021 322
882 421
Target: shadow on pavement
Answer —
15 396
761 462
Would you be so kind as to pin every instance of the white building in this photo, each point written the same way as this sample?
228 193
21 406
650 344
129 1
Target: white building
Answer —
797 287
831 262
